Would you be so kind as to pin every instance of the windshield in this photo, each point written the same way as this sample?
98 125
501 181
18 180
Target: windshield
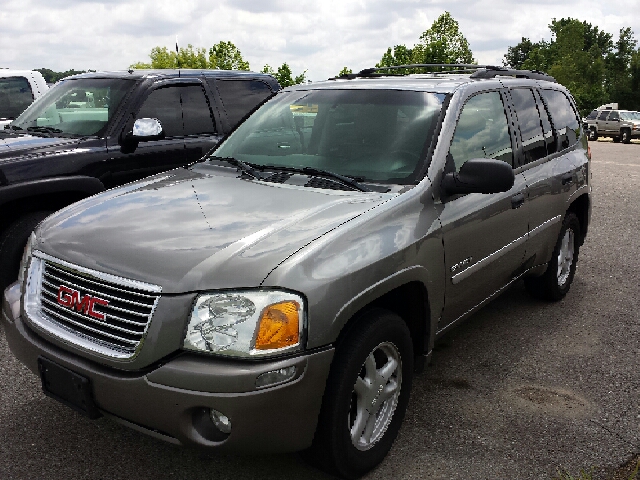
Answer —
374 135
80 106
630 115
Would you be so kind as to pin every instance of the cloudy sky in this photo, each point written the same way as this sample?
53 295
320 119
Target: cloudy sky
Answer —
320 36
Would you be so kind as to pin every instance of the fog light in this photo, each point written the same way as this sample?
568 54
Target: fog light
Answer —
221 421
275 376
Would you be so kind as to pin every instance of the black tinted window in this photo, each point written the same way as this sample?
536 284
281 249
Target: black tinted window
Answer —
533 142
15 96
239 97
547 128
482 131
164 104
603 115
614 116
564 118
195 111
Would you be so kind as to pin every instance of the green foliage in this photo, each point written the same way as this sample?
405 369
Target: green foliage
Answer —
226 56
585 60
223 56
441 43
52 77
345 71
284 76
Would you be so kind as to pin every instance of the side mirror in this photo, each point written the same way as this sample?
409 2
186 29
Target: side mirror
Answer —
147 129
479 175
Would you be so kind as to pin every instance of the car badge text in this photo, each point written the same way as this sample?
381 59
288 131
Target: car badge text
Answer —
67 297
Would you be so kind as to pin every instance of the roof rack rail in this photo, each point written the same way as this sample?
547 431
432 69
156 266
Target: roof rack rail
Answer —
480 71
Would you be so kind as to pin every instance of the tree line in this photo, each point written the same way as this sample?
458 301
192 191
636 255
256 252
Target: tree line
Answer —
595 68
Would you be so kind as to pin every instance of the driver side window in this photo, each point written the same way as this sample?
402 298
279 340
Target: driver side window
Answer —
482 131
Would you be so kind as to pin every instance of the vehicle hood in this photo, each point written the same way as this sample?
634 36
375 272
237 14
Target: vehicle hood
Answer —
193 230
18 145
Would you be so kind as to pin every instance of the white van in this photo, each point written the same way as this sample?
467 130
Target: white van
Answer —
18 89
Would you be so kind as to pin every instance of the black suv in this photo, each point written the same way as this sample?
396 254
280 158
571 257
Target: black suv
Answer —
87 134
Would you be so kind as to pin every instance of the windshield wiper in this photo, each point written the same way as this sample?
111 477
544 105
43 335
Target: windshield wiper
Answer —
244 167
12 127
44 130
316 172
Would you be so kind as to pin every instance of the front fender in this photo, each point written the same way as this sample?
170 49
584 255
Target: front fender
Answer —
78 183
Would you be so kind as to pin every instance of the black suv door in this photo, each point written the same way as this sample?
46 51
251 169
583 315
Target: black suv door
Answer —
189 131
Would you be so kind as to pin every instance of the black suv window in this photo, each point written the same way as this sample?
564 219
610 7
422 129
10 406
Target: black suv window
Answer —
564 117
241 96
196 112
534 146
482 131
614 116
603 115
182 110
15 96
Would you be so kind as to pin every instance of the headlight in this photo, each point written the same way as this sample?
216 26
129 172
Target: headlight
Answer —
246 324
26 256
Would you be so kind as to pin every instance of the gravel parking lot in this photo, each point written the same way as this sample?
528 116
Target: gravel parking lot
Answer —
524 389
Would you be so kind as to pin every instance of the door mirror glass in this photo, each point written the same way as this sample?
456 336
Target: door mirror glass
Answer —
147 129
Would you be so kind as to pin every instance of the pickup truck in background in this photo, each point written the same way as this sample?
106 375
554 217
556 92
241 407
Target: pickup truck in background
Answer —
98 130
620 125
18 89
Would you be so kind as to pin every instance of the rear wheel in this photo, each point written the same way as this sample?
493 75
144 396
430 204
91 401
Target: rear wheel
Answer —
554 284
12 243
366 396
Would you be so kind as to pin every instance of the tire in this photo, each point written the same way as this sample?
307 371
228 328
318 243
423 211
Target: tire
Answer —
12 242
593 134
616 139
554 284
355 386
625 136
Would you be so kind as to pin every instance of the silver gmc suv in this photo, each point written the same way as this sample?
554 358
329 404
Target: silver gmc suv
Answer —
279 294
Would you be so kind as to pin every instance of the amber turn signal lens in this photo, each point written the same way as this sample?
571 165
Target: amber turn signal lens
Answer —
279 326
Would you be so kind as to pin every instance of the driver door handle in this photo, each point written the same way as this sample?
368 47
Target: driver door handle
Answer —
517 200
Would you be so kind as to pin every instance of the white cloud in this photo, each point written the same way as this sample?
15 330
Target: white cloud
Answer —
320 37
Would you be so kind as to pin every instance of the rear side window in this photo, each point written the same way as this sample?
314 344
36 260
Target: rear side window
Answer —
533 142
482 131
239 97
564 118
547 128
603 116
15 96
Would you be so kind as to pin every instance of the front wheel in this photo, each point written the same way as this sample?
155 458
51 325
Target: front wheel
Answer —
366 396
555 282
625 136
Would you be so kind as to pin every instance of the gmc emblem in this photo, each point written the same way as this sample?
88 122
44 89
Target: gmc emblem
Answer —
70 298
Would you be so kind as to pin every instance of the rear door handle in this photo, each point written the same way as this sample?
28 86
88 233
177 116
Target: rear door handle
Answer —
567 178
517 200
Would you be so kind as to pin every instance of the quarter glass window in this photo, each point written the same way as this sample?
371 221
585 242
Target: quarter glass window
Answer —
564 118
482 131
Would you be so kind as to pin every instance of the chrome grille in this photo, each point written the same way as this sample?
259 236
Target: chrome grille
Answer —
117 320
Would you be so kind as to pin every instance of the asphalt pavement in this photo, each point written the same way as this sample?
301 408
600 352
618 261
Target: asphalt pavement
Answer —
522 390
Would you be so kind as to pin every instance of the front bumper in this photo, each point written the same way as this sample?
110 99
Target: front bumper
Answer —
168 400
